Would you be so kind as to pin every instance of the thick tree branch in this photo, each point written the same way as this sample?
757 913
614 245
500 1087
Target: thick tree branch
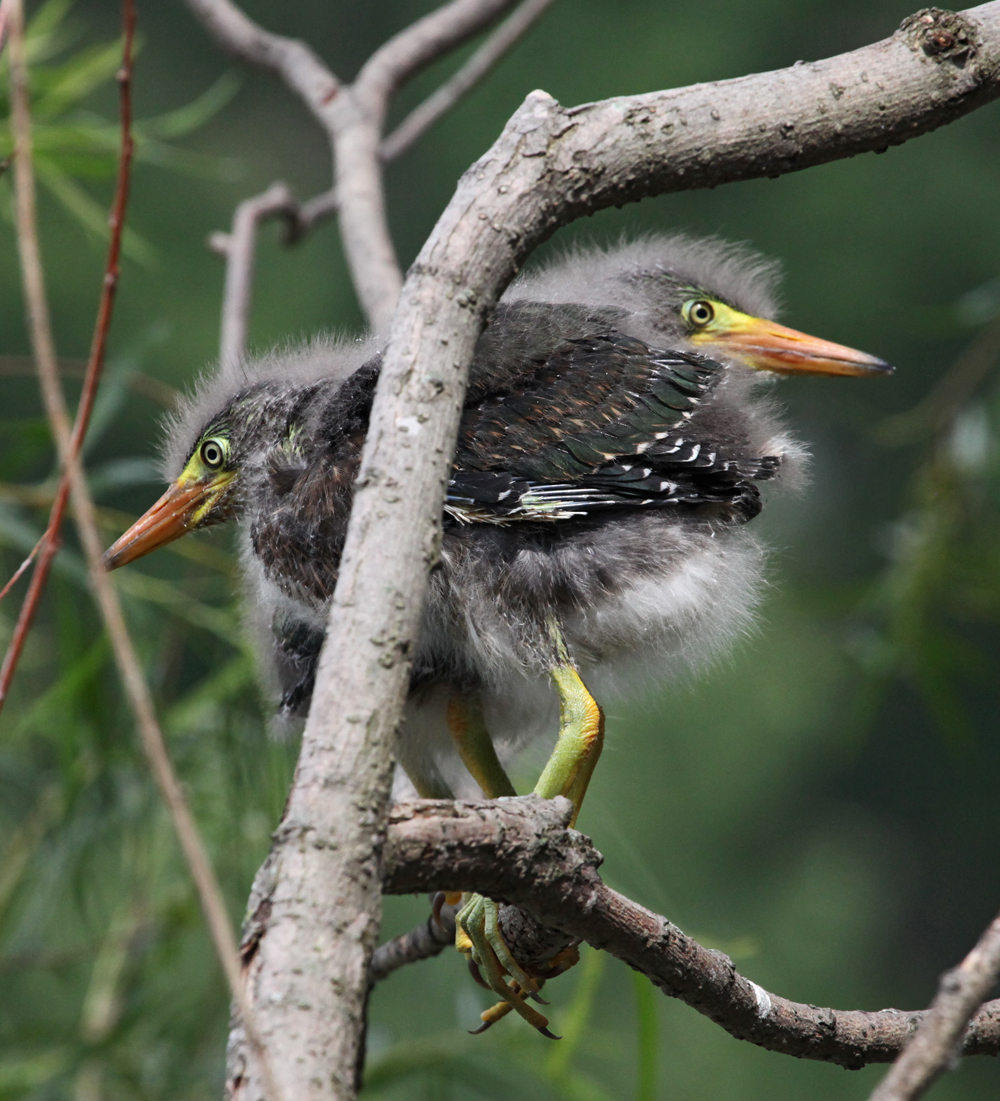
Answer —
521 851
423 117
550 165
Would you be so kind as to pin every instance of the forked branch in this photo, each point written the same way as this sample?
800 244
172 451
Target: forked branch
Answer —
353 116
423 117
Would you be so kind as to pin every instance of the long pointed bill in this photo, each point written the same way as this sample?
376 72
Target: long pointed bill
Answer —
772 347
173 515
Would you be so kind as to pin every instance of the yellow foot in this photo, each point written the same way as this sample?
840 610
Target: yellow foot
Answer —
478 936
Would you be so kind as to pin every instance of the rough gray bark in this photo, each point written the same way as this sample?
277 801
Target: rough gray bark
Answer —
520 851
318 898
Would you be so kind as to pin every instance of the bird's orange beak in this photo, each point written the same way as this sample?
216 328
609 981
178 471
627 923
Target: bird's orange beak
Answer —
181 509
768 346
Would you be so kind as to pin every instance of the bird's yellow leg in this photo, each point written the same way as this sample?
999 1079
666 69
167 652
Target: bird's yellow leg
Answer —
568 773
475 746
580 741
477 924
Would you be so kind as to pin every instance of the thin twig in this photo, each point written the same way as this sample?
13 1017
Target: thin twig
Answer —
438 103
419 45
424 942
19 572
938 1041
127 660
238 247
315 210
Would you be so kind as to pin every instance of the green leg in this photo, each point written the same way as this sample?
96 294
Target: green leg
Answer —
568 772
581 736
475 746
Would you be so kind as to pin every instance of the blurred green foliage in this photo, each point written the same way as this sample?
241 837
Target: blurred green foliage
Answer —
820 807
71 144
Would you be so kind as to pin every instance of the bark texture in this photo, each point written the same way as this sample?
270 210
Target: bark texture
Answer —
521 851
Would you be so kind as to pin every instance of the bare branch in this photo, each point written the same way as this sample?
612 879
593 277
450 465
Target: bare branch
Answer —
314 211
354 134
423 117
943 1034
238 247
422 43
43 347
427 940
520 851
293 61
549 166
353 117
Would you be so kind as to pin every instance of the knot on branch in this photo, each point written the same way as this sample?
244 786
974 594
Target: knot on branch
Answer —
941 34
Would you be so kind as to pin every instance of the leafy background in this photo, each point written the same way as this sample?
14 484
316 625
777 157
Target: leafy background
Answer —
822 806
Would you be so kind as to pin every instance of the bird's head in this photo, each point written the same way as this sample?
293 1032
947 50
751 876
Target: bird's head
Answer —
208 488
719 329
700 294
221 445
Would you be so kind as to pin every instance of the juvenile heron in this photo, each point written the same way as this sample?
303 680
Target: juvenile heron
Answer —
614 434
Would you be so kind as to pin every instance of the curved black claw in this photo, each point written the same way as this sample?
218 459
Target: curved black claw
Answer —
477 974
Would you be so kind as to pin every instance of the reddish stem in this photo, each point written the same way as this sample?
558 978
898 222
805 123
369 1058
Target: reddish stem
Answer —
49 543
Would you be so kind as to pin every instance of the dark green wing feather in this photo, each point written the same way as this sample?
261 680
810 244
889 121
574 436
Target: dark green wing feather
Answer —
576 424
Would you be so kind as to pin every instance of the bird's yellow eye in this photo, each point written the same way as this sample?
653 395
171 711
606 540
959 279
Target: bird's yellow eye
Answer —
699 313
213 453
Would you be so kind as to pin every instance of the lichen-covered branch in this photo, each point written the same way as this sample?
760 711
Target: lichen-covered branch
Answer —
321 886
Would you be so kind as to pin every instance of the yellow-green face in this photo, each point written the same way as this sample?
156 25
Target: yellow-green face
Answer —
189 503
765 345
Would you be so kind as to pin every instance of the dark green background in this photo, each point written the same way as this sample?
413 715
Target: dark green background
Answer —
823 806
